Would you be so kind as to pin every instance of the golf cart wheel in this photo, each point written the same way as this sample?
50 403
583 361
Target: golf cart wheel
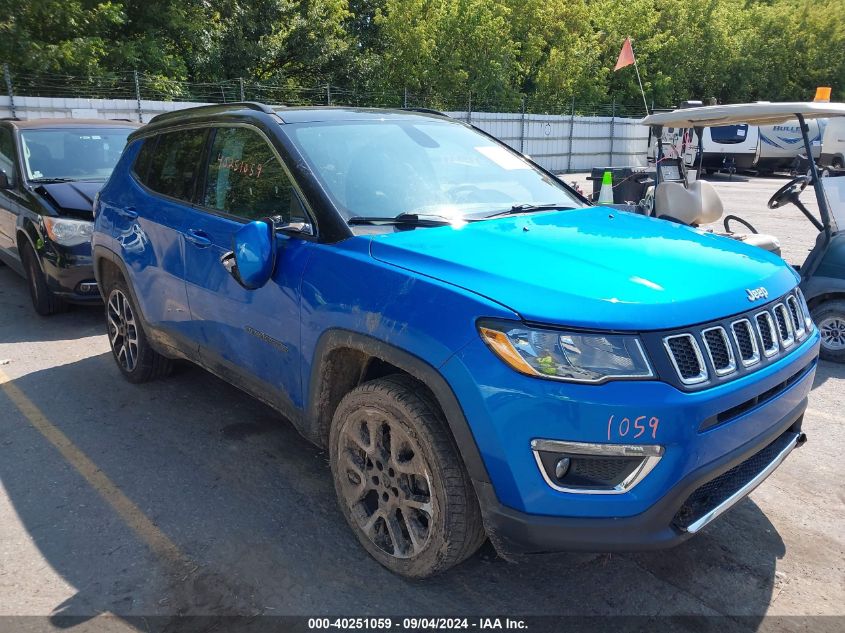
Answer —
830 319
136 359
399 480
44 300
836 163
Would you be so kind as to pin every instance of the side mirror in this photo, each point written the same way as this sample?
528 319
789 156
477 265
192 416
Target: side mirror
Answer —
253 257
4 180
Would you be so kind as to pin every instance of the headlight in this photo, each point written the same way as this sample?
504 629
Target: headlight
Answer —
569 356
68 232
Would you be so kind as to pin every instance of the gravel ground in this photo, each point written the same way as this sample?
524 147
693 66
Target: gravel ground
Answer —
186 497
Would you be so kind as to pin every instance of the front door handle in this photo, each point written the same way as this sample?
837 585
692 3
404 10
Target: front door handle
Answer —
198 238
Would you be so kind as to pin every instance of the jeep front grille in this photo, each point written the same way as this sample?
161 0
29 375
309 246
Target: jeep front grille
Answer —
724 349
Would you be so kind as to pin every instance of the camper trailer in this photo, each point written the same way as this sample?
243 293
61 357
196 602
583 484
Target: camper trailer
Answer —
833 144
766 148
780 144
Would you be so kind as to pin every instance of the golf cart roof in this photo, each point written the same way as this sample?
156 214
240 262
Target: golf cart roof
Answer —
751 113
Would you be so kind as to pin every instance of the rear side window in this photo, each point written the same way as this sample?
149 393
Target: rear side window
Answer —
145 159
175 163
245 178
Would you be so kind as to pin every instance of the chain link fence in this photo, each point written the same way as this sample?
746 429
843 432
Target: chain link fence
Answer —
562 135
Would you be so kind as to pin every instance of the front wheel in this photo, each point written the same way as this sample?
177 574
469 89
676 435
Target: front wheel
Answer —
830 319
399 479
44 300
136 359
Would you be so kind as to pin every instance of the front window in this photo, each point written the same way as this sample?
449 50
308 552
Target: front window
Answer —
384 168
72 153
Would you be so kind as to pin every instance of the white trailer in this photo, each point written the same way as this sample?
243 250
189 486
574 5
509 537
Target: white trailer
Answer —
780 144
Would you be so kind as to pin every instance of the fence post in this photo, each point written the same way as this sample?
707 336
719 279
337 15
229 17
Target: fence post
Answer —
469 107
522 127
612 131
9 89
328 94
138 96
241 82
571 129
405 98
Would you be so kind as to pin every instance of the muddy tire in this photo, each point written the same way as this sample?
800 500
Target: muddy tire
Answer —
829 317
399 478
136 359
44 300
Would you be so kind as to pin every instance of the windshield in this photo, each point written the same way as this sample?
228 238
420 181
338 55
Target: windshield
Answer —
73 153
383 168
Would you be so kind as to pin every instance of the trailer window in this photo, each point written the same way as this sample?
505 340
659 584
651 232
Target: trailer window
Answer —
727 134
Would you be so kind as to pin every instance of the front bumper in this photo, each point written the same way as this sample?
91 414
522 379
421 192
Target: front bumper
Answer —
70 272
514 532
523 513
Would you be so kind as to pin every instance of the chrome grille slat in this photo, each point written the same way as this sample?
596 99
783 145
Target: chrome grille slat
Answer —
768 335
719 350
686 357
797 314
786 334
746 342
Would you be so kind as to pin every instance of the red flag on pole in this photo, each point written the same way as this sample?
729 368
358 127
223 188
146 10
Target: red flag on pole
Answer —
626 55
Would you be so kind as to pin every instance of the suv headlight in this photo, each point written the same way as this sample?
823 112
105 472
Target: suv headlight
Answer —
588 357
68 232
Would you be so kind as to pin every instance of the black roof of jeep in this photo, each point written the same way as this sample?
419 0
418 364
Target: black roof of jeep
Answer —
282 115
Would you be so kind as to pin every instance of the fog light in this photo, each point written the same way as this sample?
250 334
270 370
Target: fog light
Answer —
589 468
562 467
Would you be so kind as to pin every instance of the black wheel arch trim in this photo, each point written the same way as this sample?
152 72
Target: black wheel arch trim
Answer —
416 367
31 234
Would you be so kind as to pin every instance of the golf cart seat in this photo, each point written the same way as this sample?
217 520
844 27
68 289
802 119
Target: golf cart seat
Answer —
699 203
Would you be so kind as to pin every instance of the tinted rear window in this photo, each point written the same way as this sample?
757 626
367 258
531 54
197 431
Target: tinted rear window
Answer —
175 163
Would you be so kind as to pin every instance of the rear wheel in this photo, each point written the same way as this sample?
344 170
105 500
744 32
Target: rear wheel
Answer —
44 300
136 359
836 163
399 479
830 319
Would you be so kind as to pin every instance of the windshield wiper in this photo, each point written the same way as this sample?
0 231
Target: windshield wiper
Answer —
530 208
51 180
411 219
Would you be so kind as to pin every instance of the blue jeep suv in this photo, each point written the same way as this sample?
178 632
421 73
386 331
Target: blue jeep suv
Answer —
483 354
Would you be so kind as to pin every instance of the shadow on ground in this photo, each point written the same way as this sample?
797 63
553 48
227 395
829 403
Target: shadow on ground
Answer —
251 505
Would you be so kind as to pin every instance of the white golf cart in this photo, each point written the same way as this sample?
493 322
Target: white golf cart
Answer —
679 198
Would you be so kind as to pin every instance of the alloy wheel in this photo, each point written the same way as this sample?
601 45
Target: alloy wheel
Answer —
832 330
386 483
123 331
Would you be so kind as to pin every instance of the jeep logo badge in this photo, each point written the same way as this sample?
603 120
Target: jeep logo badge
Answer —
757 293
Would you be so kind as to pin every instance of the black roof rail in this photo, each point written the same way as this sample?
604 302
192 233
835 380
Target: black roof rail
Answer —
427 111
219 107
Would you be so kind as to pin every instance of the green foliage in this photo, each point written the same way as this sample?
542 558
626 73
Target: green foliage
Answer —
549 50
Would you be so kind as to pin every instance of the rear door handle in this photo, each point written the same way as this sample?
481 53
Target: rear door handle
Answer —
198 238
130 213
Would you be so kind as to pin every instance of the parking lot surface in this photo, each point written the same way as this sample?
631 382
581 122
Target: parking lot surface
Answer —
187 497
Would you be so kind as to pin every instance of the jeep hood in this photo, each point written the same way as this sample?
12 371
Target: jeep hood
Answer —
73 198
593 268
